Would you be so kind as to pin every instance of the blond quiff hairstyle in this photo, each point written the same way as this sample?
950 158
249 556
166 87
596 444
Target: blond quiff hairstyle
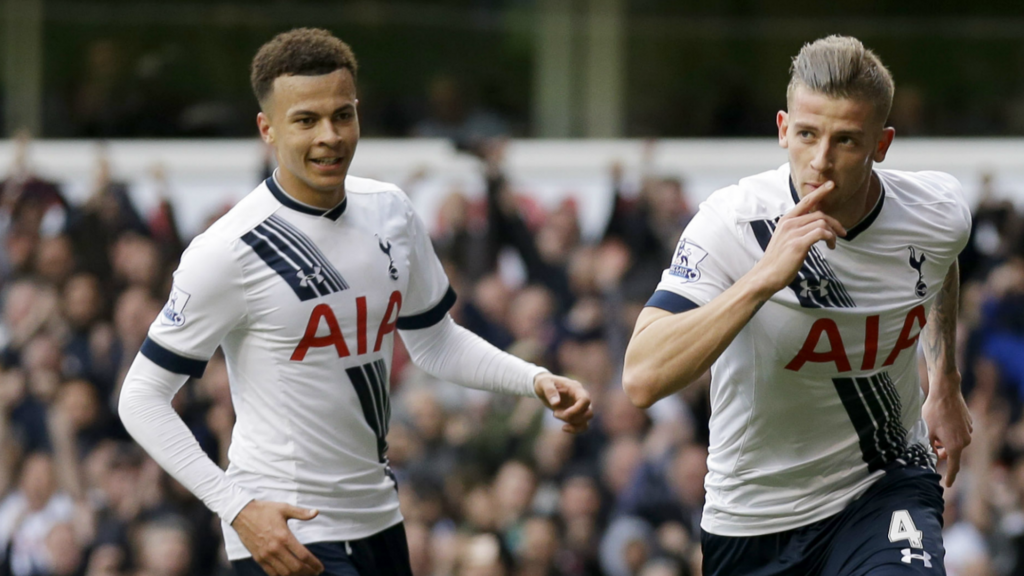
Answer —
841 67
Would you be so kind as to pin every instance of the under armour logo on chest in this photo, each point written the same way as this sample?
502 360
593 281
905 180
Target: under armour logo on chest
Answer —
909 557
821 288
304 279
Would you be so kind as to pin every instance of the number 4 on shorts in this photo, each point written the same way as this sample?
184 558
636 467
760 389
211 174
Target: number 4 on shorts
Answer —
902 528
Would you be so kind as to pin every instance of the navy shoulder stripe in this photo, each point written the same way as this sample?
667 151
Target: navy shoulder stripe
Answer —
172 361
671 301
430 317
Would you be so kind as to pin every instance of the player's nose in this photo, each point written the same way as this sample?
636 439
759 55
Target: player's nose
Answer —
328 134
822 159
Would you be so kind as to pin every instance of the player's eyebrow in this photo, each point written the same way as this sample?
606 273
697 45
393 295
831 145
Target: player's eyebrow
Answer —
304 112
814 128
849 133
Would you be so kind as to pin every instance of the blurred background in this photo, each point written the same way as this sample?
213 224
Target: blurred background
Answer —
556 149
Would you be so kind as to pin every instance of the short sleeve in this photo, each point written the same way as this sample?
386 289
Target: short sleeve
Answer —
702 264
207 301
429 296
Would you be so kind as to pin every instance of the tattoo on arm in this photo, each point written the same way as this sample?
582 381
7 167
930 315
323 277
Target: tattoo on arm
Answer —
940 333
756 310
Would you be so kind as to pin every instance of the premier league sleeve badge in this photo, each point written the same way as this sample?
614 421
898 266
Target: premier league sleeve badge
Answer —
686 262
173 313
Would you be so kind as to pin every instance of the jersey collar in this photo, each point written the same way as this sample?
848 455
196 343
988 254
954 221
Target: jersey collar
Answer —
865 222
284 198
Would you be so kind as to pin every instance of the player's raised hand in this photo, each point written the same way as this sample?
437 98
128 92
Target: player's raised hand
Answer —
567 399
949 427
794 235
263 528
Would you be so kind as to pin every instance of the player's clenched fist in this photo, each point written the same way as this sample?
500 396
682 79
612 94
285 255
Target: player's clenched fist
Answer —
567 399
263 528
794 235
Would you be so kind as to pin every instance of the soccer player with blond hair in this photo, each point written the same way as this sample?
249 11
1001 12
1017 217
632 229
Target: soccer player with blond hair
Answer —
805 290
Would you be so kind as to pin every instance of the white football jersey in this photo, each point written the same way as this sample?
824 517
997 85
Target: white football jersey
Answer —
818 394
305 303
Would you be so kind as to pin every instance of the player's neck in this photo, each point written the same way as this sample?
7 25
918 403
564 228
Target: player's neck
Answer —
304 194
858 205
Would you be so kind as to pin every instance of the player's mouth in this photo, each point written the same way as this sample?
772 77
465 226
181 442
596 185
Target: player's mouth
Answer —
328 163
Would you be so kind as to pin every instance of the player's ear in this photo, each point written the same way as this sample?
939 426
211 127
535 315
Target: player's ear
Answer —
782 120
882 148
266 130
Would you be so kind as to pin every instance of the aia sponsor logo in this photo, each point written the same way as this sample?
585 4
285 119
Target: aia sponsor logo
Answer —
836 352
323 314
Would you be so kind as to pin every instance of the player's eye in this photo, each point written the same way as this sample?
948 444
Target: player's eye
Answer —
805 134
306 120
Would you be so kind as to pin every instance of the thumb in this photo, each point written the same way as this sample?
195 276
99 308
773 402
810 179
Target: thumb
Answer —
550 392
299 513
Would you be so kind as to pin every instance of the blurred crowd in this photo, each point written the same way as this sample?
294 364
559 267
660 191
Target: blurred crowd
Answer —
489 485
159 82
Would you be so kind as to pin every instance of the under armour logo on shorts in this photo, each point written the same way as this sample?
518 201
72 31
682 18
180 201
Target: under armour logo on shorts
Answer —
909 557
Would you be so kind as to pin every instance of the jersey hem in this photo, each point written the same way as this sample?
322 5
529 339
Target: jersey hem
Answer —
237 551
745 527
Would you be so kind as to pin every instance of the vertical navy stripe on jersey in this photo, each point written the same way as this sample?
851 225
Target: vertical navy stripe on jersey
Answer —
861 419
889 448
890 400
295 258
914 454
875 410
371 386
816 284
382 382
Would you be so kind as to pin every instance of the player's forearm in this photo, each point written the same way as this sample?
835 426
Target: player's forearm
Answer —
939 340
452 353
669 351
146 412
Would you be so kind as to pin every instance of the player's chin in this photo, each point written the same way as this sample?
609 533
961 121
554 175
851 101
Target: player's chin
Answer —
326 176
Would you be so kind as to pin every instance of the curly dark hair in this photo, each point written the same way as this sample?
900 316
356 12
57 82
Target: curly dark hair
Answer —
299 52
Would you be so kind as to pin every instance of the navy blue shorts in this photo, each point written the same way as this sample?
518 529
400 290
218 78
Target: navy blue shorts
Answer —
385 554
894 528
